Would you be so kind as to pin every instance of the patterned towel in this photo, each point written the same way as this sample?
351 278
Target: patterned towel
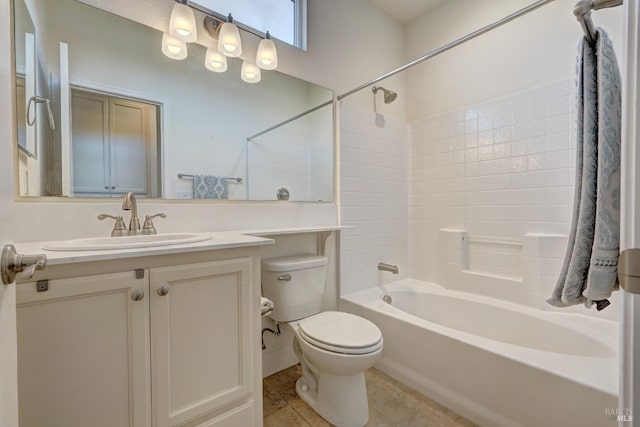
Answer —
210 187
589 272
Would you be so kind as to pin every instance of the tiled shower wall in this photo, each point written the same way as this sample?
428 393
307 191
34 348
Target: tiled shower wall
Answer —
499 170
375 171
496 170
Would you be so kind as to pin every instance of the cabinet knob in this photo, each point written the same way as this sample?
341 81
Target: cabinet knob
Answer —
137 295
163 290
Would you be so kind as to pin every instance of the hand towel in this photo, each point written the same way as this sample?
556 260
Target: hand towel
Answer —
210 187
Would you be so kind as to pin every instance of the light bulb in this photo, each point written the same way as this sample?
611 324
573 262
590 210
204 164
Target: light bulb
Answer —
267 56
173 47
215 61
229 42
250 73
182 24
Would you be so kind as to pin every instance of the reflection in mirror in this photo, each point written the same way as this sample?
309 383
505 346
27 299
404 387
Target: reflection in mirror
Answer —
25 60
131 119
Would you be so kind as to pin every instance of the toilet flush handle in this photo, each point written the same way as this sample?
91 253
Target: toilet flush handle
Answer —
285 277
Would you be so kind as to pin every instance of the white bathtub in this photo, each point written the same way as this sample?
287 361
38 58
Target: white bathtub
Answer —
494 362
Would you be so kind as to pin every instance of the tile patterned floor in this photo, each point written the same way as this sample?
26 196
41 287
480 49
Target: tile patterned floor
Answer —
391 404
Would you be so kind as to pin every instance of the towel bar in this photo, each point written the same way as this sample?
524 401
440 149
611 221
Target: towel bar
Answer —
230 178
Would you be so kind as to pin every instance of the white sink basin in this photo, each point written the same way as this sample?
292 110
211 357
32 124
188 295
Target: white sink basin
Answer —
126 242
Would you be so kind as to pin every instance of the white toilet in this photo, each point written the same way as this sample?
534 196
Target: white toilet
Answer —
334 348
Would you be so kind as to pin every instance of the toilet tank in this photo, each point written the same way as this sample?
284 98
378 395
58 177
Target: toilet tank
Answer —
295 284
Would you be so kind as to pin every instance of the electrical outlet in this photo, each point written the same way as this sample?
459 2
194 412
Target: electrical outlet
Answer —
183 194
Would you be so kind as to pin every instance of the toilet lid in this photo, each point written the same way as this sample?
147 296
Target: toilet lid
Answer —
341 332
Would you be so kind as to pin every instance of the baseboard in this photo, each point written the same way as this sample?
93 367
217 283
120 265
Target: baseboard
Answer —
278 361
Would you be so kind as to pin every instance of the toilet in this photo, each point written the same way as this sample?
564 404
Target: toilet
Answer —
334 348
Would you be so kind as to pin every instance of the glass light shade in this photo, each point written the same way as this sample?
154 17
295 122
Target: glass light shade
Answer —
267 57
229 42
215 61
250 73
182 24
173 48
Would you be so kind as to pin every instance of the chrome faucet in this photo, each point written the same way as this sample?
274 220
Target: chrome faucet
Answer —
388 267
129 204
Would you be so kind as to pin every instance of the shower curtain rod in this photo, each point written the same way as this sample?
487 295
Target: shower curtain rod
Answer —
429 55
438 51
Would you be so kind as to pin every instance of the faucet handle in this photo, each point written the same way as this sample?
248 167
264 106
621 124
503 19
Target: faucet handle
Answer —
119 229
148 227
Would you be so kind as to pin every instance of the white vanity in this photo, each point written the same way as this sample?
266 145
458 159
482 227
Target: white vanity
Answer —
161 336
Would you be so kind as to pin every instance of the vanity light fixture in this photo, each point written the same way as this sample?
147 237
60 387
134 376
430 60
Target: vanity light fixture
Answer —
267 56
215 61
250 73
182 24
173 47
182 30
229 42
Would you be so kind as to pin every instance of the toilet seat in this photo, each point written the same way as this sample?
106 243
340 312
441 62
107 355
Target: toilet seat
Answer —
340 332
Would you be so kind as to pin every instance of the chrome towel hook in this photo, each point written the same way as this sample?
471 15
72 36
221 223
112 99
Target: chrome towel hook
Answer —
13 263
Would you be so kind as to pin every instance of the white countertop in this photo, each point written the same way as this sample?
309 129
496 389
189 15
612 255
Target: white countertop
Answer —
218 240
295 230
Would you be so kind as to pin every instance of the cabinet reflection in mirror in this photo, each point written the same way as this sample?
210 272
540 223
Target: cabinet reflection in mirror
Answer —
127 118
115 145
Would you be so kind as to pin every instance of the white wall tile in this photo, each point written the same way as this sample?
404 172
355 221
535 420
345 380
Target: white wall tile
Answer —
517 170
376 165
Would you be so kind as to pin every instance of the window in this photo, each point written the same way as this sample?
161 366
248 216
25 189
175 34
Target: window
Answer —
284 19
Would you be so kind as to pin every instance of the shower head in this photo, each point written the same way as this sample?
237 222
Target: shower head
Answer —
389 95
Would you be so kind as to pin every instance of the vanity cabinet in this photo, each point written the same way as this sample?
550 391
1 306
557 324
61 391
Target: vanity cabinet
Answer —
176 347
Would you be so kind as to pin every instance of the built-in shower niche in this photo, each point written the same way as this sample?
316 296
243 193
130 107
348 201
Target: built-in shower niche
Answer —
523 271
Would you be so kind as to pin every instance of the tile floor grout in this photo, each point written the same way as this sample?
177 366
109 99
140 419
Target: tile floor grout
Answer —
391 404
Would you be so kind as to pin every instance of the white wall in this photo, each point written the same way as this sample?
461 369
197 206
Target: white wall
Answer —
531 51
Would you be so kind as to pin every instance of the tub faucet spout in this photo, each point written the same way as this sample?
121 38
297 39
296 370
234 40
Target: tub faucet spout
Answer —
382 266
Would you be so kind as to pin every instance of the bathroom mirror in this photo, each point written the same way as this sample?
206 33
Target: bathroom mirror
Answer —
131 119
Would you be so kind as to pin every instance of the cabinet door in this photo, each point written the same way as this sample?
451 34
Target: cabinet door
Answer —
129 129
84 353
90 143
201 339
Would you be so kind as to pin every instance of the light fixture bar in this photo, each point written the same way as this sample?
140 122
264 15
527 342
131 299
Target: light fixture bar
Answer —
222 18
